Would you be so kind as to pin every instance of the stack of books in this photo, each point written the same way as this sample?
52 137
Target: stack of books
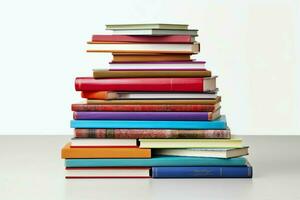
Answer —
153 112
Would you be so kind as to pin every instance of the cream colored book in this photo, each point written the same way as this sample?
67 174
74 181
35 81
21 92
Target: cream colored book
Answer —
146 26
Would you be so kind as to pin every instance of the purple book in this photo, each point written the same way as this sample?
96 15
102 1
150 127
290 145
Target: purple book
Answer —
157 116
179 65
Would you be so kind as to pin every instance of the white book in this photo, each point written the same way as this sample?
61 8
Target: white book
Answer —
159 95
139 47
95 142
155 32
146 26
203 152
105 172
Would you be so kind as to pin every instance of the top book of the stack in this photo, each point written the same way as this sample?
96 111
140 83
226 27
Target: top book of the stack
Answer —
151 29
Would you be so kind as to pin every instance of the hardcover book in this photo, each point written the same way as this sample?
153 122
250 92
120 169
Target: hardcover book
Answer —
167 161
107 172
170 116
147 84
91 142
146 107
206 125
144 39
190 143
146 57
149 74
192 32
146 26
150 133
105 152
203 172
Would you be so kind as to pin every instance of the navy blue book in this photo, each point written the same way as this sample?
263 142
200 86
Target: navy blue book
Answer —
203 172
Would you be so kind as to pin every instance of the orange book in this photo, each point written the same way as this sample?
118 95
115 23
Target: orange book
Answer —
103 152
99 95
147 58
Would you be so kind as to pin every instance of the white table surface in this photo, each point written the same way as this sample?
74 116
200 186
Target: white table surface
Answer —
31 169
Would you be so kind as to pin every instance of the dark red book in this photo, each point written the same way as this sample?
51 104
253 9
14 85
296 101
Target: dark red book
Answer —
145 108
143 39
207 84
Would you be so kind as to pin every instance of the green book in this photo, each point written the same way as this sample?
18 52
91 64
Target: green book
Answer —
146 26
190 143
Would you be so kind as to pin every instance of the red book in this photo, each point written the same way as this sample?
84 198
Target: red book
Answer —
143 39
147 84
145 108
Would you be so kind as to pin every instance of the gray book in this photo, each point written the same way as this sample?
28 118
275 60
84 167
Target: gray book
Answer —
191 32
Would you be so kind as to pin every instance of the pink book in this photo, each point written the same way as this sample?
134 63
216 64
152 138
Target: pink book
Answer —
144 39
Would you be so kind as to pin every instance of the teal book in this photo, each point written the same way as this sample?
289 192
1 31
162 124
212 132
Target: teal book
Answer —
156 161
212 125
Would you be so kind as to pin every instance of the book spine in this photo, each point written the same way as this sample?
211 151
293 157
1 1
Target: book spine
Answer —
151 134
141 84
137 108
143 39
202 172
151 74
169 116
205 125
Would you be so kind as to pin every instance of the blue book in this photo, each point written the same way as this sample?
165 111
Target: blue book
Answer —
156 161
203 172
215 124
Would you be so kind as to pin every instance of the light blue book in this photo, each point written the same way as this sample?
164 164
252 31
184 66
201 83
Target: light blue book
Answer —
156 161
215 124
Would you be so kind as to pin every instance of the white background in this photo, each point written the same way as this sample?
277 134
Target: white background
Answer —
252 45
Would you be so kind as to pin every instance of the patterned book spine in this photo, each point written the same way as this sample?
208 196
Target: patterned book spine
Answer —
145 108
150 133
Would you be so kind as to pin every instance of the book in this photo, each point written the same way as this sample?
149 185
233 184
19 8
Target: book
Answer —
167 161
170 116
150 133
204 152
207 84
192 32
107 172
144 39
146 26
156 101
125 57
149 74
95 47
203 172
92 142
105 152
147 95
190 143
145 108
206 125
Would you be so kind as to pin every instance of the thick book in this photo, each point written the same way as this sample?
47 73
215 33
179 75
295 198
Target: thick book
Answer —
95 47
107 172
92 142
203 172
207 84
170 116
147 95
206 125
149 74
146 108
192 32
150 133
125 57
146 26
105 152
144 39
204 152
156 161
190 143
155 101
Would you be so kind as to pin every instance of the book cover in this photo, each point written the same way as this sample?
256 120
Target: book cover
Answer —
125 57
156 161
192 32
203 172
144 39
105 152
146 84
150 133
145 108
168 116
149 74
146 26
215 124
